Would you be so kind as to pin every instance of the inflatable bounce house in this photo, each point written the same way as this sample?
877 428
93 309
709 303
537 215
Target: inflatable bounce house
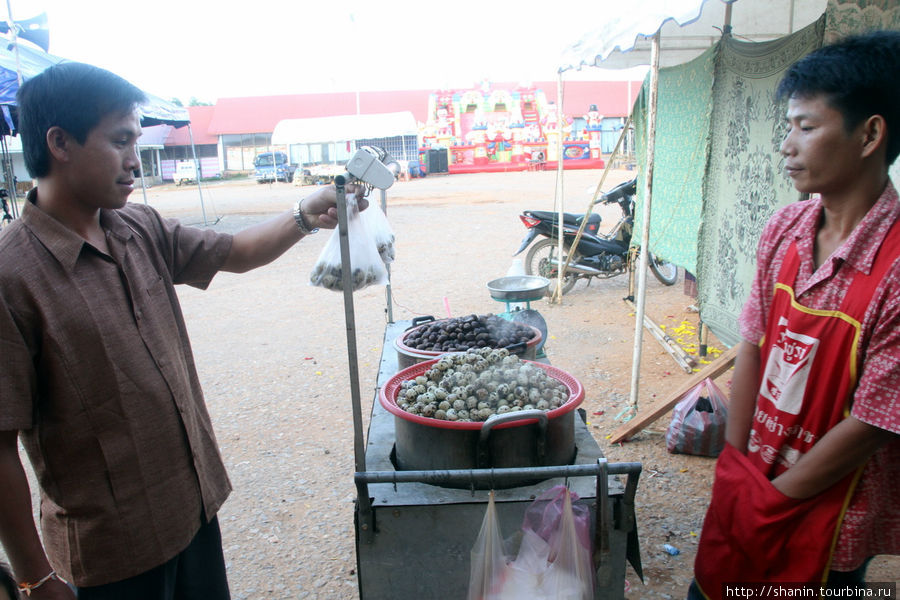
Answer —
505 130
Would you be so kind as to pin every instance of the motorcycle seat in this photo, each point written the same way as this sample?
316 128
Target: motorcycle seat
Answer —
570 219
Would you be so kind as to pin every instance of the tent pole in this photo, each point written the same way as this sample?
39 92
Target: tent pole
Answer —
137 149
643 259
726 29
199 174
387 289
557 297
564 264
10 176
15 42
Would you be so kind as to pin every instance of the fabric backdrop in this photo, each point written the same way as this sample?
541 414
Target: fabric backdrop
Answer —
718 175
682 145
745 180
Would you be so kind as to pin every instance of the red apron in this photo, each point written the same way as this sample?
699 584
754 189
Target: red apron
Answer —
753 533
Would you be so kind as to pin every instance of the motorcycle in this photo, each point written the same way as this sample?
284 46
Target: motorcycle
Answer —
601 255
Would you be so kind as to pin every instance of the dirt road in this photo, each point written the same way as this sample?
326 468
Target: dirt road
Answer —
272 360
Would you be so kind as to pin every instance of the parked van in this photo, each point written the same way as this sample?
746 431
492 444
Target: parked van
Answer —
273 166
185 172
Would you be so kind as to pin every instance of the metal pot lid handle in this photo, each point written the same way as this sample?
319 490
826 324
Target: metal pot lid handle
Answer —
482 455
517 348
419 321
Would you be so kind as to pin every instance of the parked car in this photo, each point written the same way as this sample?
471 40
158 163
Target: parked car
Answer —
273 166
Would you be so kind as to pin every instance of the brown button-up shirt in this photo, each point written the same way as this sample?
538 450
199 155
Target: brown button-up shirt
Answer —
96 372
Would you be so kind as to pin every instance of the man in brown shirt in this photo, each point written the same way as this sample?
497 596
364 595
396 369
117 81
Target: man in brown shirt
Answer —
97 377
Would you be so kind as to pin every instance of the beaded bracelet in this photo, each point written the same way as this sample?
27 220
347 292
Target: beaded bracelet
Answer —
28 588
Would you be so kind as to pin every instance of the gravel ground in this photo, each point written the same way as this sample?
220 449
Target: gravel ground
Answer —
271 353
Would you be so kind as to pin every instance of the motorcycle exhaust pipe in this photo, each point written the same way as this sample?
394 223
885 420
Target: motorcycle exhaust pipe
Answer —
578 269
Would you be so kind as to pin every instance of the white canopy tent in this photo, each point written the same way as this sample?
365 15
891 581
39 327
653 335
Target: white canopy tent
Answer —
687 28
667 33
344 128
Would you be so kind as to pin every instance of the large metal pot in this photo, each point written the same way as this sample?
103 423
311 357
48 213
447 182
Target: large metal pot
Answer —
516 439
408 356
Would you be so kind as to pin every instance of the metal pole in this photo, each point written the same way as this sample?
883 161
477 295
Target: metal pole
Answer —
643 259
137 149
564 264
387 289
15 41
359 450
557 297
499 475
10 176
726 28
350 318
197 167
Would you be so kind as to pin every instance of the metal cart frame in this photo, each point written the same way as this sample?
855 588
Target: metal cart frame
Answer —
414 537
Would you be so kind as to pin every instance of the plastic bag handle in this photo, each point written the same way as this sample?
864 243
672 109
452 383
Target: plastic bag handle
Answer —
482 457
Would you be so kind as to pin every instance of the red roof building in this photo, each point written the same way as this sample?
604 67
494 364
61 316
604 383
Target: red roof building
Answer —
260 114
200 118
241 127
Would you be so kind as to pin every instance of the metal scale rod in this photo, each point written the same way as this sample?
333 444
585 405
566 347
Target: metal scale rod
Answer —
367 167
350 320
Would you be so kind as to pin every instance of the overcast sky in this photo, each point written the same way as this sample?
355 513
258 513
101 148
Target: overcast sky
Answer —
212 49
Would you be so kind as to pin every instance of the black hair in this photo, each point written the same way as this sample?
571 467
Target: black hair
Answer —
858 76
73 96
7 583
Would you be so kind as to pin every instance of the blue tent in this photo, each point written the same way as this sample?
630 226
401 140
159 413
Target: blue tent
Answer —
32 61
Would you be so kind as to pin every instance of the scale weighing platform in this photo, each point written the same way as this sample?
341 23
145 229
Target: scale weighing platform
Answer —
522 289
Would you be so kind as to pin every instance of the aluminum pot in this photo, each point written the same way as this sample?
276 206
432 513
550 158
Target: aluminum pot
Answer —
408 356
533 438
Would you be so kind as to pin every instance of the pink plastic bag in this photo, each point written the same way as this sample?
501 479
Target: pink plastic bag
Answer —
554 558
698 421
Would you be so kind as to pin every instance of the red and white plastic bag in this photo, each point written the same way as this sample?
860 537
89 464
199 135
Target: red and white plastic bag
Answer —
698 421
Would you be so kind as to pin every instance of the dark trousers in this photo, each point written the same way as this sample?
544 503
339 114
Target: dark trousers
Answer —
197 573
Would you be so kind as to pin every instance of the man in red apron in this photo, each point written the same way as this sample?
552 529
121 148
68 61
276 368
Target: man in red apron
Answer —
807 489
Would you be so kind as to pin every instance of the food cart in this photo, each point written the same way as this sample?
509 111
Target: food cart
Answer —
415 529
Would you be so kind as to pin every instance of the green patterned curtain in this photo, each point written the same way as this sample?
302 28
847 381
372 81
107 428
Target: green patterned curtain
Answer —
844 17
718 175
745 181
682 144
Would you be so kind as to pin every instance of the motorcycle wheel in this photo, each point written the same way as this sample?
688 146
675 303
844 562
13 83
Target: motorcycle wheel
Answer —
666 272
539 261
